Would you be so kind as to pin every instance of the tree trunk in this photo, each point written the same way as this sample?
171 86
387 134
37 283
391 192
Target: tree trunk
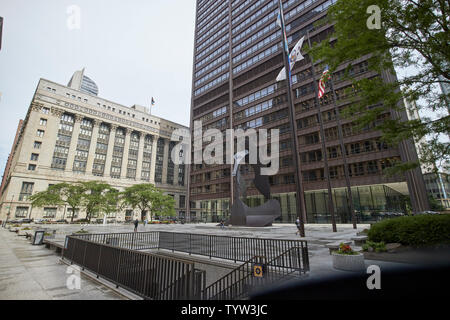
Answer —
73 213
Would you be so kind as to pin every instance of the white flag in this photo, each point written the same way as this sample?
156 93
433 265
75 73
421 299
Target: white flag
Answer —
295 56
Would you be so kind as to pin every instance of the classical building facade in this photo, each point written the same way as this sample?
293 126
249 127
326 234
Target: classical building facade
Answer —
70 135
237 57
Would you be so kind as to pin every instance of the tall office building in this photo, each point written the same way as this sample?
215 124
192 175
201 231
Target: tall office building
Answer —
1 31
72 135
237 57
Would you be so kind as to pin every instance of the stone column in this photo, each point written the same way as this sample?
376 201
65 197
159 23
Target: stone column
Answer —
140 156
109 154
175 174
126 150
74 142
165 161
93 146
51 130
153 163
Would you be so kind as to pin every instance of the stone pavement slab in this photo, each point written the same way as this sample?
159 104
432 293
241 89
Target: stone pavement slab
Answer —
30 272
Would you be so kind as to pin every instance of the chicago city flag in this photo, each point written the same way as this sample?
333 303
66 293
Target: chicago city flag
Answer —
295 56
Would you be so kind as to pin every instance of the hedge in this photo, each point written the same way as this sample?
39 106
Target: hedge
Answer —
413 230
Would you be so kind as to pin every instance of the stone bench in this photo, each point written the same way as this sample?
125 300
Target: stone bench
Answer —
335 245
51 244
360 240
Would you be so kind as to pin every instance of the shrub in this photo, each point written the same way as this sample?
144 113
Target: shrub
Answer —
413 230
376 246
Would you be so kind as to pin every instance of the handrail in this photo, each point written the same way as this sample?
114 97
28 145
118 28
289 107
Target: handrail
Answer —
222 288
213 246
148 275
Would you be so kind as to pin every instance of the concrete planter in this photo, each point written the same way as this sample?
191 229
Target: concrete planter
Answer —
348 262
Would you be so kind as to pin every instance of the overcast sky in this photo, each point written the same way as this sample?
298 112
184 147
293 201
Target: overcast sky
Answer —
132 49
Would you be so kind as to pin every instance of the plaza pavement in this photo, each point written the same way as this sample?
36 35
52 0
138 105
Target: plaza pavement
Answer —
317 236
30 272
34 272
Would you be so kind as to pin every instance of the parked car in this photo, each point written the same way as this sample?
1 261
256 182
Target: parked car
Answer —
427 212
62 221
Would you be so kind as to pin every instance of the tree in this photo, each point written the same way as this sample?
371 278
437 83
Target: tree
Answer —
59 194
413 36
111 201
147 198
93 198
164 206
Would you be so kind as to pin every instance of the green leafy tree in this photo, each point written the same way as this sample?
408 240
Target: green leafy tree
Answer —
164 206
60 194
94 198
111 201
413 36
147 198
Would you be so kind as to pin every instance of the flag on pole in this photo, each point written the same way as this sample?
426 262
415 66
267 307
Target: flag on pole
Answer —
153 102
295 56
280 23
325 76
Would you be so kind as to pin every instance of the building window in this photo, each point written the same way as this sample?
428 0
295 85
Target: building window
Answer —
70 213
32 167
27 190
182 202
40 133
37 144
49 212
21 212
45 110
34 157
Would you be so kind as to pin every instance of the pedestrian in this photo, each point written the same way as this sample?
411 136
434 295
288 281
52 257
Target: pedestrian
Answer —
222 224
297 223
136 223
145 222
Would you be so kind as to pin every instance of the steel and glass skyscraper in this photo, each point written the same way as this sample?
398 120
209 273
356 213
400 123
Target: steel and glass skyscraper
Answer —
237 57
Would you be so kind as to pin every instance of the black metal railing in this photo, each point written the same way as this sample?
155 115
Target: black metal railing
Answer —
212 246
147 275
235 284
244 280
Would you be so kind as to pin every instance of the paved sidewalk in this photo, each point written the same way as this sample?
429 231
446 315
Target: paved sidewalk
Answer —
30 272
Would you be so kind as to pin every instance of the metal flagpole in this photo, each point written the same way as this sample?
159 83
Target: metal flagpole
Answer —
322 137
344 156
301 208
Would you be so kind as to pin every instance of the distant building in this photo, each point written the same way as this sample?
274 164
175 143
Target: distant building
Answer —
445 88
8 162
1 31
83 83
71 135
438 186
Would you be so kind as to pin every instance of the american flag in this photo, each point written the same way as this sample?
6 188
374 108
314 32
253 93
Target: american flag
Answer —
325 76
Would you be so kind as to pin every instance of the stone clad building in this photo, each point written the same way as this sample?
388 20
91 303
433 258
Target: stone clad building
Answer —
70 134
